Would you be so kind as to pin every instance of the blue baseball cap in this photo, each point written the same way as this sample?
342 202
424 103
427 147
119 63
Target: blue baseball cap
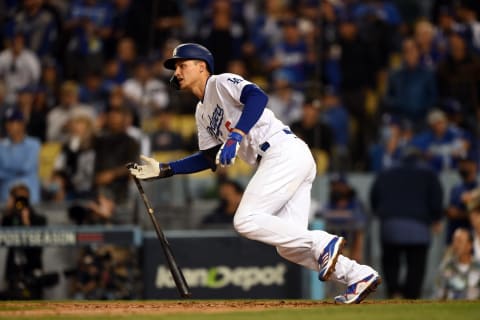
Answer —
13 114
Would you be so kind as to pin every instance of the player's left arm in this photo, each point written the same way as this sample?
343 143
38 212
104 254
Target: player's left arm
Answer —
254 101
152 169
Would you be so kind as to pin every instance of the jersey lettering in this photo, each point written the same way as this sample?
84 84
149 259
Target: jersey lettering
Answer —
215 122
235 80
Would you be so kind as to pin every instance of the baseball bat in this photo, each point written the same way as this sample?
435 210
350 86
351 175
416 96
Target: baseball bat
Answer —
175 270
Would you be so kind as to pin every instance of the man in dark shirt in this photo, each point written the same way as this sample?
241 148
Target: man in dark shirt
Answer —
408 201
315 133
113 149
230 193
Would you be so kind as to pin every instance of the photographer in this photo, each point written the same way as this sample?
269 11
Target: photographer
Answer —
24 265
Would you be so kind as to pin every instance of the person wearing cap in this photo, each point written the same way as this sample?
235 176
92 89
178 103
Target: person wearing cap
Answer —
443 145
344 214
233 120
19 157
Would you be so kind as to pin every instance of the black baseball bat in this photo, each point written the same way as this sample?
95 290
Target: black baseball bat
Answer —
175 270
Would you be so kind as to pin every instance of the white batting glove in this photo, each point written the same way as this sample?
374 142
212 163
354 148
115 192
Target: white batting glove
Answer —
149 170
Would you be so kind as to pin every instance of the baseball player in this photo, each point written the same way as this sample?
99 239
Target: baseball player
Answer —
233 121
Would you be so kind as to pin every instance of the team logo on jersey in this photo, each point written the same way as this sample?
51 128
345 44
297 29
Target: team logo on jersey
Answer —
216 120
235 80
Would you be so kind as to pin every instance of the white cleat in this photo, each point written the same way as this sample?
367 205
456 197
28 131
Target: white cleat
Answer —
358 291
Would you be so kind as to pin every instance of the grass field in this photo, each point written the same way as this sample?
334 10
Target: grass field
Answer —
239 310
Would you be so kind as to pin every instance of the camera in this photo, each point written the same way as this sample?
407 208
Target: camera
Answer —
20 203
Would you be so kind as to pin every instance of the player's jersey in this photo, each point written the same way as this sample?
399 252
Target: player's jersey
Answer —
220 111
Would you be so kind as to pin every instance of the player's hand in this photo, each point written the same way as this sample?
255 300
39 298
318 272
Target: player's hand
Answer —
227 153
149 170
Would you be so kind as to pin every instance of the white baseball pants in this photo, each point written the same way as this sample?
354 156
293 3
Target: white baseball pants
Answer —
276 203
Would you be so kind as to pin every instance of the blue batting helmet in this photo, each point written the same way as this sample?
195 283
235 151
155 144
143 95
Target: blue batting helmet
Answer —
190 51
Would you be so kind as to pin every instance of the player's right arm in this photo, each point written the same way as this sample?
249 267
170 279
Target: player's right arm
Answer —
152 169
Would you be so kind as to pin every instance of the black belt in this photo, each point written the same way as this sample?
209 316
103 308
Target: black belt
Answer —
264 146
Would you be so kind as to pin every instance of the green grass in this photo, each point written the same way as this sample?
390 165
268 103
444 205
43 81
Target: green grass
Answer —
381 310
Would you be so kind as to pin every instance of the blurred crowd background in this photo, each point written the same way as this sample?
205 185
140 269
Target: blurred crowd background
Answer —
385 88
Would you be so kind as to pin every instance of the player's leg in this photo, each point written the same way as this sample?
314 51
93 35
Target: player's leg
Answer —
282 171
296 212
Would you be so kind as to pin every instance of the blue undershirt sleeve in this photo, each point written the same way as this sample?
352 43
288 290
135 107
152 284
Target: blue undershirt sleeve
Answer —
194 163
254 101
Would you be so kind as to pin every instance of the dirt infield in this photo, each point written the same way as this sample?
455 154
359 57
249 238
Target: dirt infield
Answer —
32 309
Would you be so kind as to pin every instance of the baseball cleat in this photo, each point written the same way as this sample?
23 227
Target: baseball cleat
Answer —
358 291
328 258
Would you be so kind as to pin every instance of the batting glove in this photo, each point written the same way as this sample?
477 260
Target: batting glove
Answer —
227 153
152 169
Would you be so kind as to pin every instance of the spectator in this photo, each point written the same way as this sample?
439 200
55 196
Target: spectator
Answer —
474 215
357 74
411 90
230 194
458 277
92 92
164 138
442 144
458 76
39 27
395 136
344 214
286 101
24 265
19 67
222 34
57 118
77 158
460 195
19 155
290 55
429 52
144 92
126 59
113 149
35 115
266 32
3 107
467 12
168 22
407 199
335 116
315 133
89 25
50 81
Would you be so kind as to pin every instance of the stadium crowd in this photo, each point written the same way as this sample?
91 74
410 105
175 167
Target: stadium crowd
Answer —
83 91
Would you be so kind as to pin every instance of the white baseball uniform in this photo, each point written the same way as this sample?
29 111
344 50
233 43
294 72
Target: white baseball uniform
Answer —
275 206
